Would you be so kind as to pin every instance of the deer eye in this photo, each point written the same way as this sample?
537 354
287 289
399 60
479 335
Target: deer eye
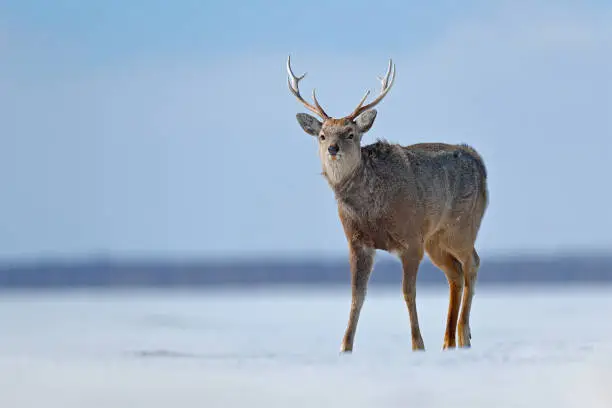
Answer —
350 136
322 137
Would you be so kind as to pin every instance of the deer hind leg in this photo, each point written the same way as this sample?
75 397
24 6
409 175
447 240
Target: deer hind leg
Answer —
454 274
410 265
361 263
470 266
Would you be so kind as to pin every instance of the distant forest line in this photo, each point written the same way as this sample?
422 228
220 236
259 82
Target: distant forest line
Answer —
159 274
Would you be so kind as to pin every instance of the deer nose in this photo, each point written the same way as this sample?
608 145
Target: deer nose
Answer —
333 149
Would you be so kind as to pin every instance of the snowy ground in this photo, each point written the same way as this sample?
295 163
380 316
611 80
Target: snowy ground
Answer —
256 348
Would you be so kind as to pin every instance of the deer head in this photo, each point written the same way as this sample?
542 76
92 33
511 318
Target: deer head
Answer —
339 139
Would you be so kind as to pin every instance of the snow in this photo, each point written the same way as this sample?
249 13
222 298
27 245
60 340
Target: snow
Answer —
532 347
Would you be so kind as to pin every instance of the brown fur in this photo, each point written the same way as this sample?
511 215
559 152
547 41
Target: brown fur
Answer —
407 200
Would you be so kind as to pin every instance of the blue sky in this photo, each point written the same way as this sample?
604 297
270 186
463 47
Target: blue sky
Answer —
166 128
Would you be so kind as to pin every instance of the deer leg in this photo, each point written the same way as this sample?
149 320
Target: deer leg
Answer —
361 262
455 284
471 274
410 266
454 274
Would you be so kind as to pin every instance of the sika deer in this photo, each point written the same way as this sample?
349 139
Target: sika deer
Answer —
407 200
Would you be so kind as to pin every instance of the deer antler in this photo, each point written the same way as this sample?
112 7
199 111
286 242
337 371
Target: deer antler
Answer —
293 82
386 85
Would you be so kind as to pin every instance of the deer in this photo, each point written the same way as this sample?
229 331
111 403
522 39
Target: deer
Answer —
407 200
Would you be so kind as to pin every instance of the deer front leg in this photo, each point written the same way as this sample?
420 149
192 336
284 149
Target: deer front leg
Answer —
410 265
361 261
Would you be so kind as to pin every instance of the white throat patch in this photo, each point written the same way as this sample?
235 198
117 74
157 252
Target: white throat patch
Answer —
339 168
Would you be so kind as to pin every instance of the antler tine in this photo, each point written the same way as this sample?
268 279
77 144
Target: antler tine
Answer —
385 87
362 100
293 82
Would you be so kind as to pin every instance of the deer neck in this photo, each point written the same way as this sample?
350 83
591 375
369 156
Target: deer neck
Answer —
356 194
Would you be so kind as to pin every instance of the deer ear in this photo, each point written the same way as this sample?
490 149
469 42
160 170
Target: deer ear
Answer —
310 124
366 120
